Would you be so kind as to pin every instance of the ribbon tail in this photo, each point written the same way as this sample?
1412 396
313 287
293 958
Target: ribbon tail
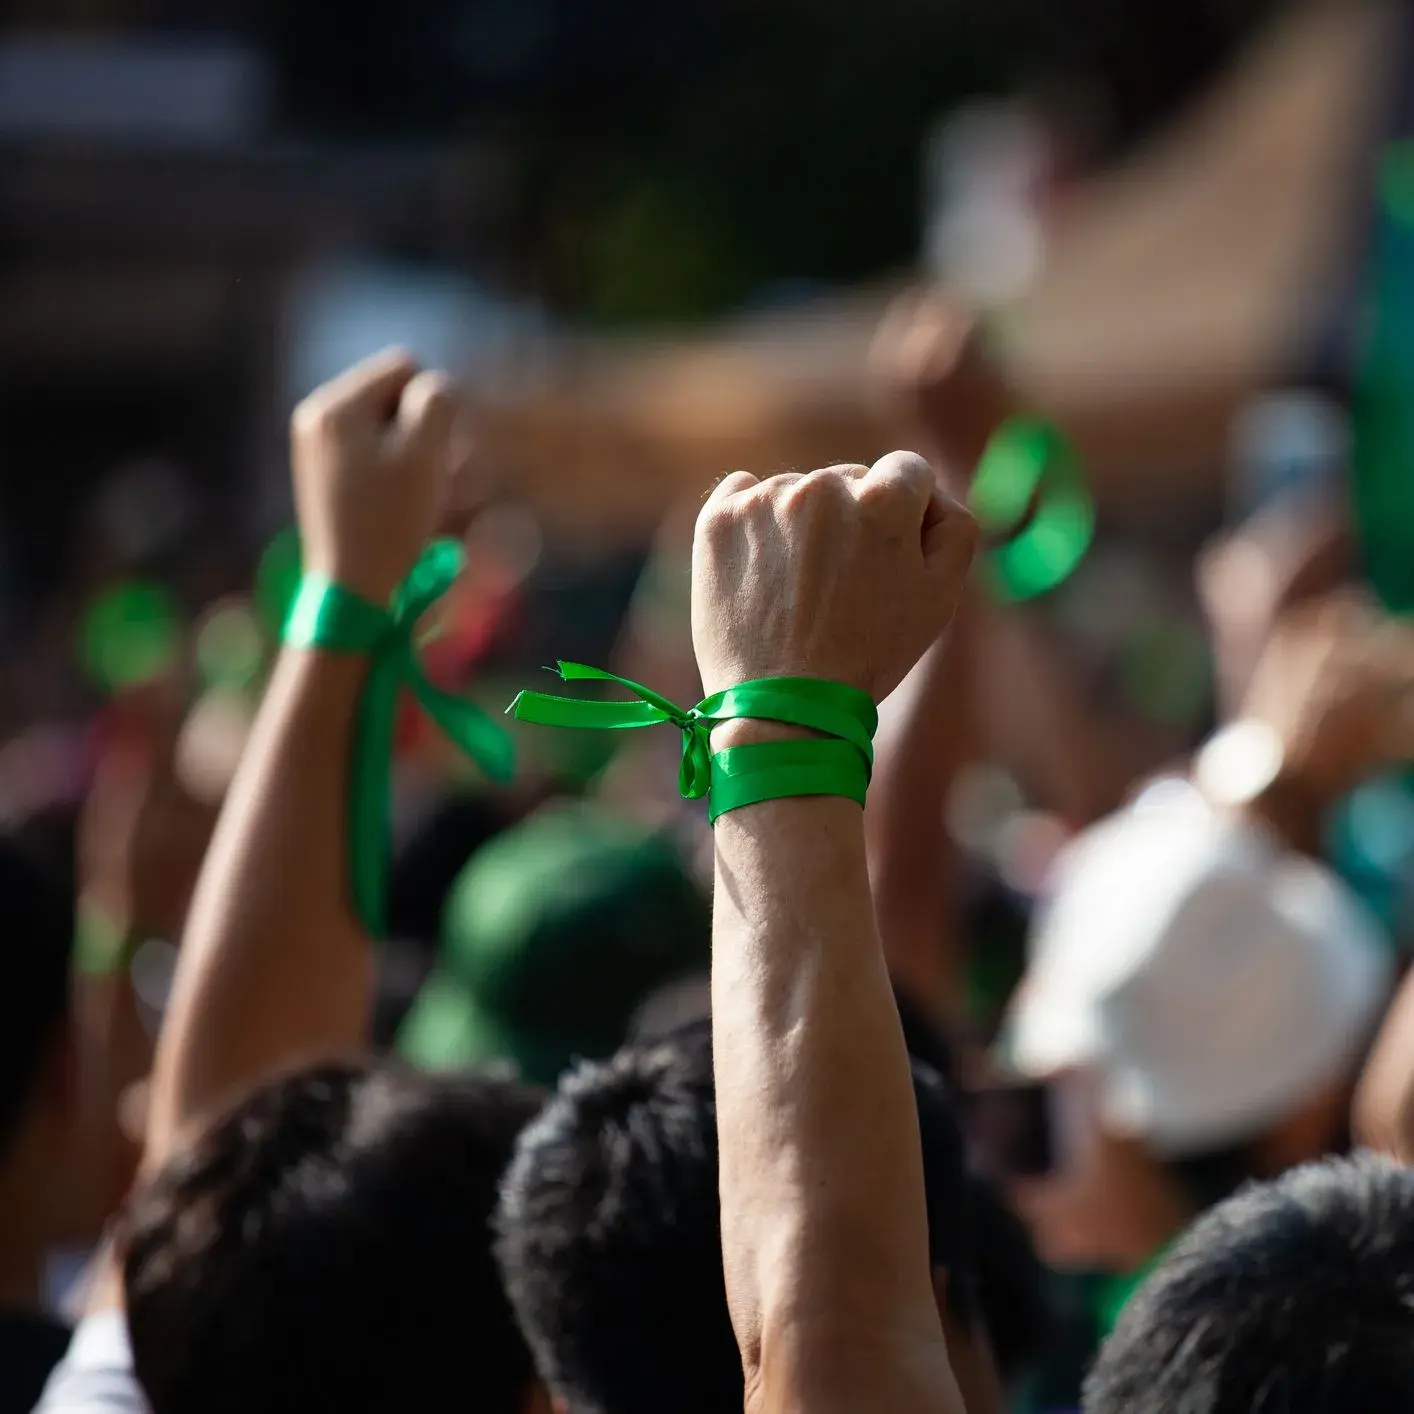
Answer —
582 672
430 578
545 710
464 723
369 793
695 771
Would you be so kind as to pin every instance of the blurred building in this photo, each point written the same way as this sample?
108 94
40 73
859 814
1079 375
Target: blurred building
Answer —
153 221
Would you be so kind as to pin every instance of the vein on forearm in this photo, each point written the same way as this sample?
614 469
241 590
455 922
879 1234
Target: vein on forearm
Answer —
822 1188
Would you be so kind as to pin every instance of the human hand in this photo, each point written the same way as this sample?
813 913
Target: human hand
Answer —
848 574
930 367
372 460
1336 684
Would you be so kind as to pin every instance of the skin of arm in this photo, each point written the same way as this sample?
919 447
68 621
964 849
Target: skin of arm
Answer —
824 1227
274 968
913 864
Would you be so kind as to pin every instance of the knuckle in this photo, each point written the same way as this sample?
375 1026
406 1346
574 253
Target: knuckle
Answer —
819 490
308 417
318 417
717 522
431 393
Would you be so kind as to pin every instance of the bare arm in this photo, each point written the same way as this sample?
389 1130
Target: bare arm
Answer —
825 1232
824 1227
913 861
274 967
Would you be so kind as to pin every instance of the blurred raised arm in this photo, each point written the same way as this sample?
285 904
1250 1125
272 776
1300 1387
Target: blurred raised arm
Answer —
274 967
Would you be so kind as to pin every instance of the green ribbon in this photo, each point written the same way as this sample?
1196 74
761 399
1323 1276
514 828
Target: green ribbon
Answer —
1029 459
328 616
774 770
830 708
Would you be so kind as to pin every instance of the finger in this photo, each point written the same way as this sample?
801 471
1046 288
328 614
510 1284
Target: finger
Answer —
427 413
373 386
729 486
903 480
853 470
950 537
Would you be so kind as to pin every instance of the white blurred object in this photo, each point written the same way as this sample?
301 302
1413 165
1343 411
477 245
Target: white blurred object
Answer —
1239 762
211 742
985 173
983 801
154 965
1293 440
343 312
1211 981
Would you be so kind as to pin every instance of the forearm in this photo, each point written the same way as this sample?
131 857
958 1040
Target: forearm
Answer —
824 1227
912 858
274 967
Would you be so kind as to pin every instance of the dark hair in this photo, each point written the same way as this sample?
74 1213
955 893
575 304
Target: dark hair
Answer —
609 1231
1211 1177
37 934
1011 1284
1293 1297
327 1245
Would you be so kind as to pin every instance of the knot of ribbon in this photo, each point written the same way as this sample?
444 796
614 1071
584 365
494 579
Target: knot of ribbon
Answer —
830 708
326 615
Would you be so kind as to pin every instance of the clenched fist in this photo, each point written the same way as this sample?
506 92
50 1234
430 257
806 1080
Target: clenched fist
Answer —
849 573
372 462
931 367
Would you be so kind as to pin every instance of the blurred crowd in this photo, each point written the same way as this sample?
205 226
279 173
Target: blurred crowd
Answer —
1127 937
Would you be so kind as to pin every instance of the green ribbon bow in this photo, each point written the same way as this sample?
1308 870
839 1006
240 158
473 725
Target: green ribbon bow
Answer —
326 615
831 708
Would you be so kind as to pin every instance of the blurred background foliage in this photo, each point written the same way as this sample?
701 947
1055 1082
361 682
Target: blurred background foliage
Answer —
672 162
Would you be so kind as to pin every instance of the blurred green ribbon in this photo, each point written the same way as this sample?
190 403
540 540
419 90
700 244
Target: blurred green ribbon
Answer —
830 708
328 616
1029 460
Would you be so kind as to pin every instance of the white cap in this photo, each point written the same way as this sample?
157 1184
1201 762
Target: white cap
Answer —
1211 980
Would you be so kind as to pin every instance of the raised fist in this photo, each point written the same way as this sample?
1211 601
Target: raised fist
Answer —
372 462
849 574
932 370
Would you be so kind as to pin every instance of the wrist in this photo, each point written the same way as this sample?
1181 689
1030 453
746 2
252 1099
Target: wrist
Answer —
367 582
755 731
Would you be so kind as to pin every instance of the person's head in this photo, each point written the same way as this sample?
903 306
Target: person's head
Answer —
327 1244
38 1065
610 1236
1010 1279
1293 1297
1199 1001
552 936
